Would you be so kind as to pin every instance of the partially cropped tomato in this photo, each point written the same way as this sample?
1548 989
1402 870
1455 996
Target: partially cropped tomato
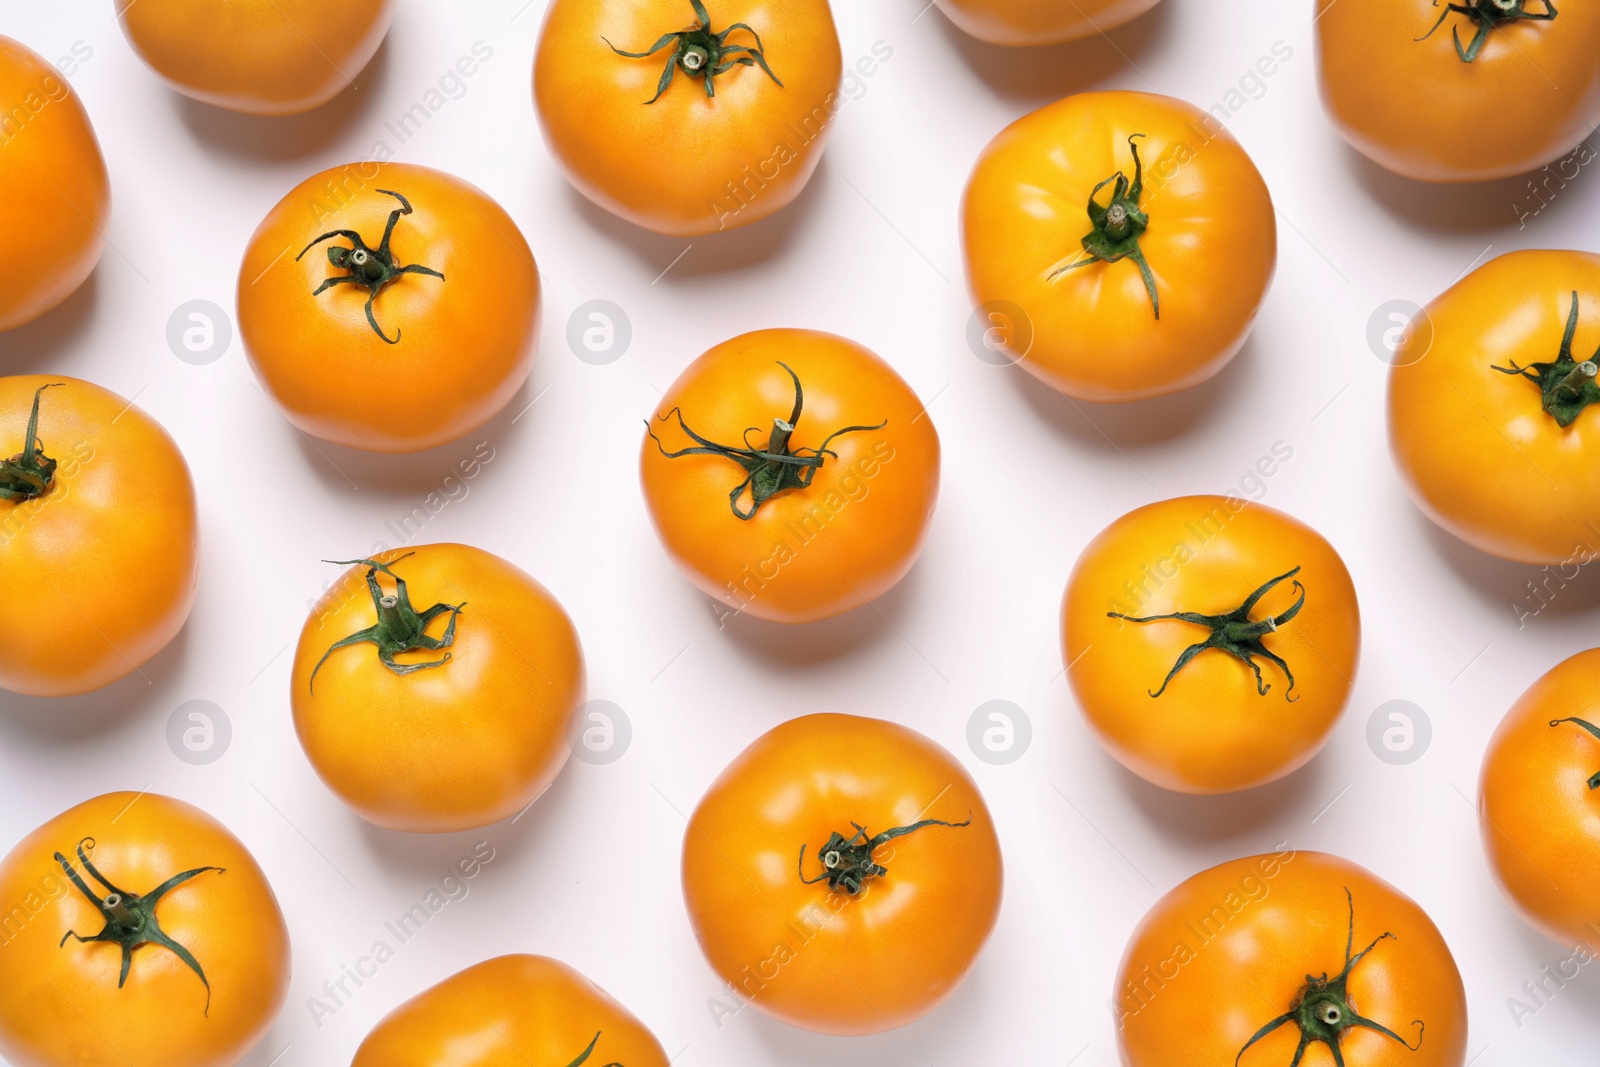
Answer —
265 57
1289 958
1489 408
512 1011
1539 802
1031 22
1211 643
53 184
389 307
432 688
1464 91
99 543
842 874
791 474
688 116
140 932
1119 244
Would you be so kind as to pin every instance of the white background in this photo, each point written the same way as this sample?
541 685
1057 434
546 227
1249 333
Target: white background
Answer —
590 874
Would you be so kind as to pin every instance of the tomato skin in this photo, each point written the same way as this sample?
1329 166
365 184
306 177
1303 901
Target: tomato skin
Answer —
1211 731
1217 957
1036 22
449 748
1415 108
101 570
510 1011
62 1001
54 184
466 343
1539 819
907 941
262 57
1212 245
1474 446
812 553
686 164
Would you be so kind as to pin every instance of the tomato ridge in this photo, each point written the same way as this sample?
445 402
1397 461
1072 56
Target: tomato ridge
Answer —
1594 782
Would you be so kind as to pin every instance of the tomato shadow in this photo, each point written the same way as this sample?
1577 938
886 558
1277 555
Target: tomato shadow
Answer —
287 137
123 705
708 255
914 1045
1044 74
1468 208
1142 423
44 342
852 635
1522 590
1227 817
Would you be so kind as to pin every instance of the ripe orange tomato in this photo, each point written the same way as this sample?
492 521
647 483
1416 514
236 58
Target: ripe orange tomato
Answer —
842 874
1122 244
389 307
468 725
641 128
138 930
98 537
1033 22
1444 95
1289 957
1490 423
827 511
511 1011
1539 802
1211 643
53 182
264 57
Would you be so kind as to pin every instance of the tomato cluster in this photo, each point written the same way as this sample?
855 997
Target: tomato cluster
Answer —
844 873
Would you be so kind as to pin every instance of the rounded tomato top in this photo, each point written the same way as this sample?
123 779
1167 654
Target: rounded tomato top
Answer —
1460 92
1036 22
1217 973
389 307
511 1011
53 183
641 129
1211 643
264 57
842 874
1490 418
99 541
791 474
1122 241
1539 802
141 932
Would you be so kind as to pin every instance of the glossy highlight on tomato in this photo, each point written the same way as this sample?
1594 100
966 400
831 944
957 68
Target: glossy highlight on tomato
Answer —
138 930
263 57
1491 420
53 184
1539 803
1120 244
99 540
1289 957
688 117
842 874
1211 643
1037 22
432 688
511 1011
389 307
1422 108
791 475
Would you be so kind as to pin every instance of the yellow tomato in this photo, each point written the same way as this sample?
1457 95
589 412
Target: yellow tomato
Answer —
99 542
1034 22
1120 243
1489 417
1211 643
